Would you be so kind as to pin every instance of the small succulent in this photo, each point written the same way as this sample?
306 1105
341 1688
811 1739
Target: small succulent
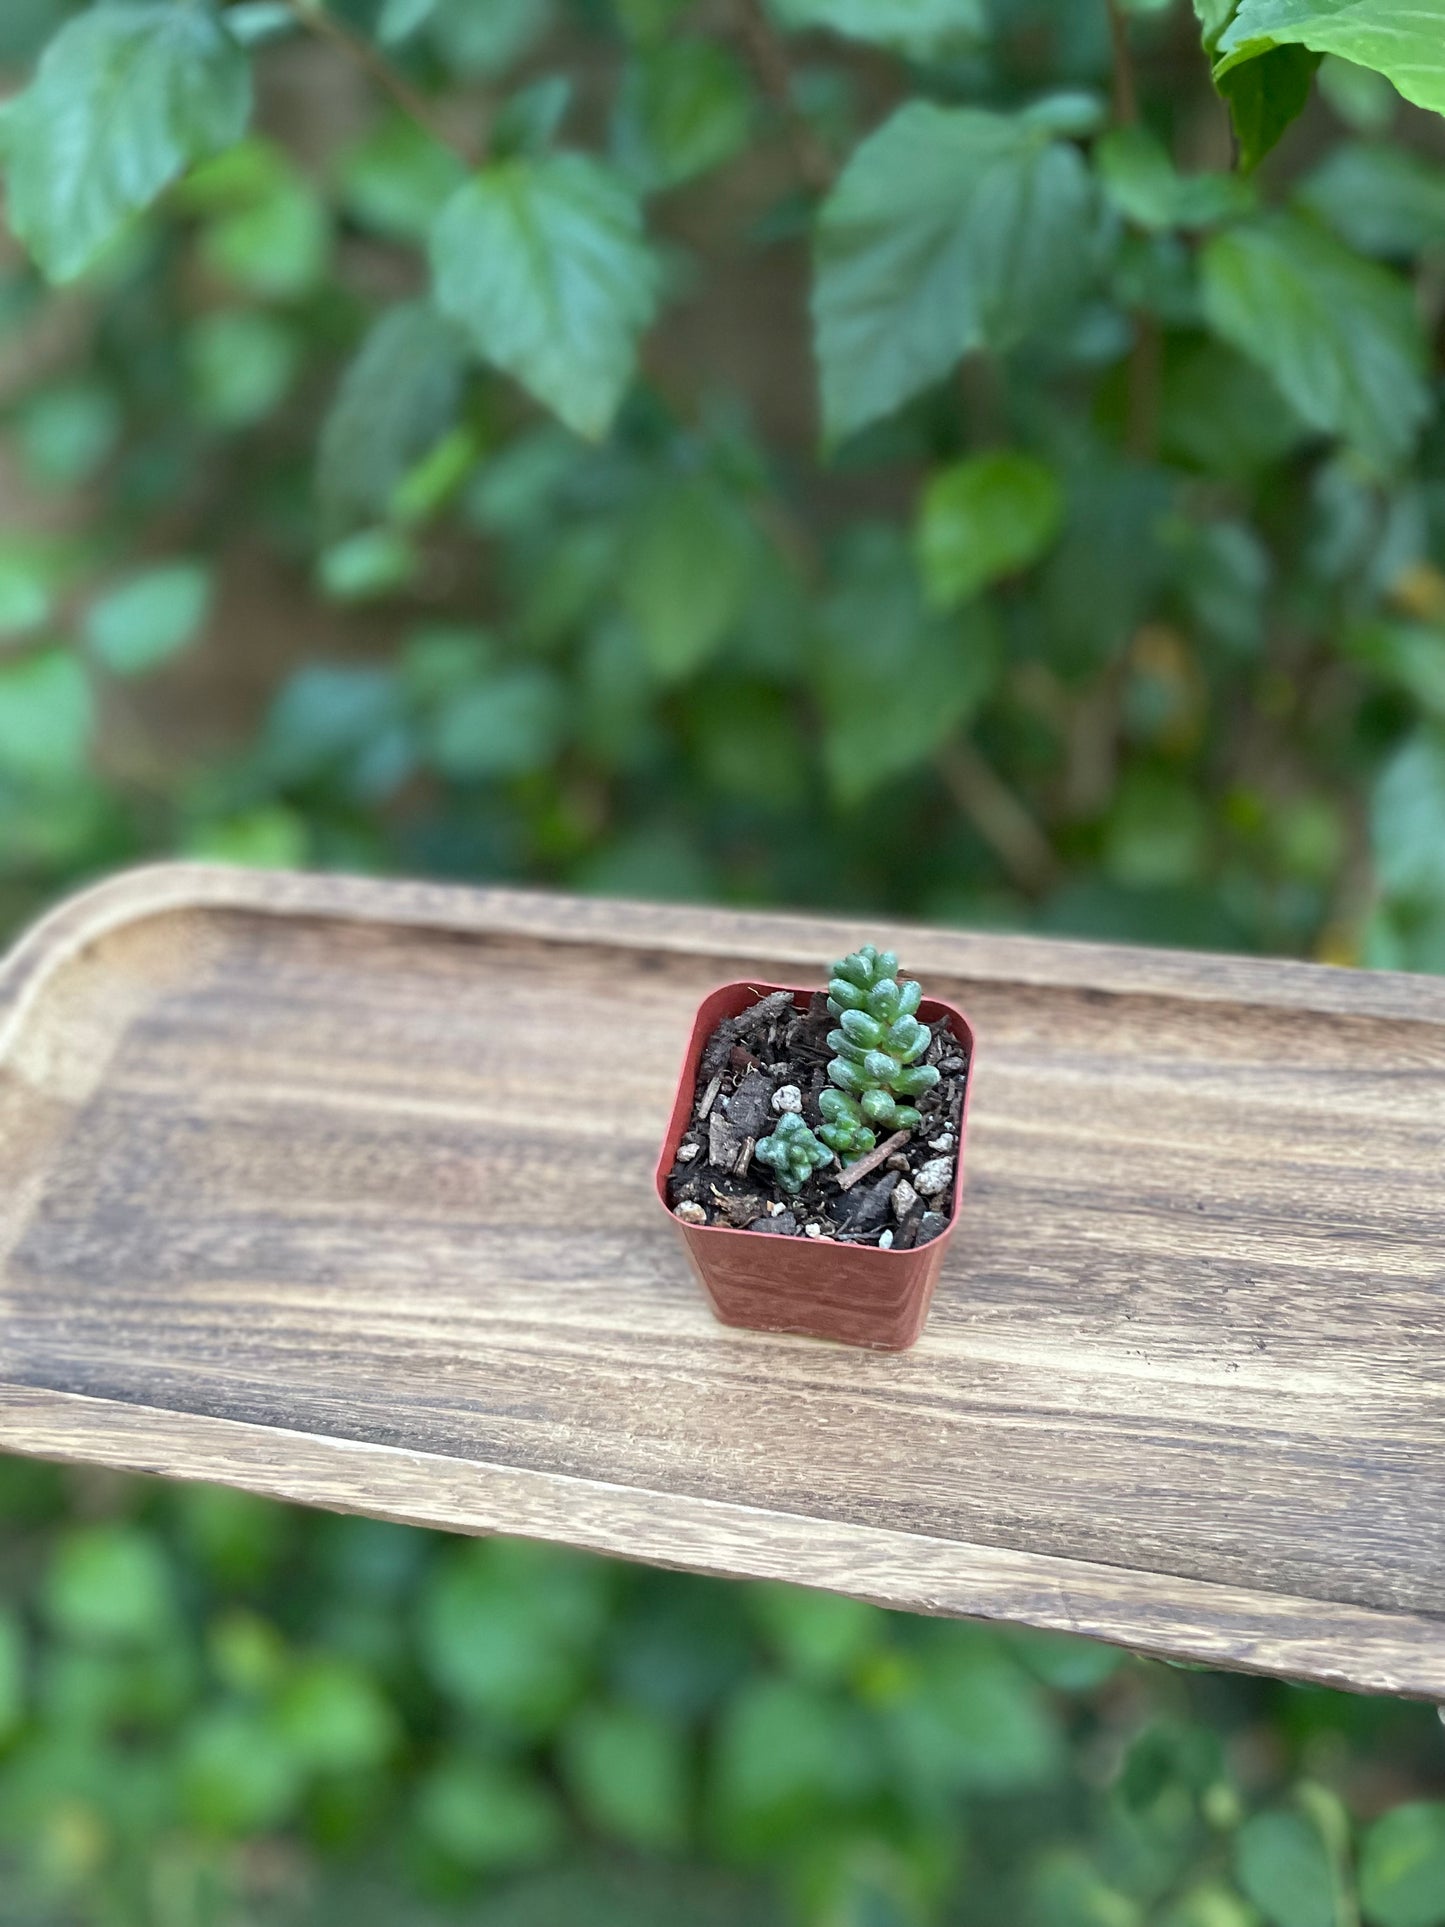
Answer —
879 1041
793 1152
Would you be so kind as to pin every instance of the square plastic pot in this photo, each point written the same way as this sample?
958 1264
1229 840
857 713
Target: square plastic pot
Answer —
815 1287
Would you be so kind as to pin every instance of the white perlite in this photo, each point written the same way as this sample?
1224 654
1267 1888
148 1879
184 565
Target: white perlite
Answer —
788 1098
936 1176
903 1199
687 1152
885 1243
690 1213
944 1142
812 1231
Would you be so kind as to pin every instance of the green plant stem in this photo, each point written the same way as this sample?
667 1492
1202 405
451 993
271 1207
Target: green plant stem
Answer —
999 817
768 58
1126 92
314 16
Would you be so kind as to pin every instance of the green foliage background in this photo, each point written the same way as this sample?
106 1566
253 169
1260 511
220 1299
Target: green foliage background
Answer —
953 457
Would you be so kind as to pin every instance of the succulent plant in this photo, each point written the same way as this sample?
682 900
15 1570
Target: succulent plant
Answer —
879 1041
793 1152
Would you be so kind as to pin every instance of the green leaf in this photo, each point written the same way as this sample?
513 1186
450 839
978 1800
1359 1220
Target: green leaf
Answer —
149 618
543 261
1409 655
629 1772
110 1585
528 120
487 40
489 1817
1379 199
46 717
268 232
509 724
239 365
820 1636
1402 1868
12 1672
1142 181
685 575
1284 1867
237 1774
1265 96
371 563
951 229
398 180
126 97
1339 336
685 107
912 26
400 19
1408 819
1363 100
973 1720
399 394
1402 39
335 1718
983 518
25 593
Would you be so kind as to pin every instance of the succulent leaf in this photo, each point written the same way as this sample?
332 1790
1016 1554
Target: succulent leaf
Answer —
877 1045
793 1152
862 1029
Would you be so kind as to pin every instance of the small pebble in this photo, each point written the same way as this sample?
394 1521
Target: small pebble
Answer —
902 1201
898 1162
789 1098
950 1064
936 1176
885 1243
930 1226
690 1213
687 1152
944 1142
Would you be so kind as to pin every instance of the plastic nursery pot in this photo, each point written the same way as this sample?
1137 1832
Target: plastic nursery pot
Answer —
818 1288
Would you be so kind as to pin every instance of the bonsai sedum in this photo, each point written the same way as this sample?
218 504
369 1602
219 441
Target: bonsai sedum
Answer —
793 1152
879 1041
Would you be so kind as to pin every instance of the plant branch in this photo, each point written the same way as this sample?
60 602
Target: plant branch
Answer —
768 58
999 817
313 14
1126 92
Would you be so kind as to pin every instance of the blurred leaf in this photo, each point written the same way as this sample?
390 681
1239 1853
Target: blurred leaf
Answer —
399 19
1158 831
685 575
1221 414
334 1718
252 22
271 838
951 229
1402 39
1339 336
486 40
1284 1868
68 431
149 618
1141 179
269 231
1363 100
24 594
125 98
46 717
401 392
328 721
12 1673
973 1720
1379 199
685 107
914 26
369 564
237 1774
1408 818
629 1772
1408 654
240 365
820 1636
784 1756
489 1817
110 1585
1068 1665
985 517
544 263
398 179
507 724
1402 1867
1067 1891
528 120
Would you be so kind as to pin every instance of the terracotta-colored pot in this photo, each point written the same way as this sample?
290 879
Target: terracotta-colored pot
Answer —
820 1288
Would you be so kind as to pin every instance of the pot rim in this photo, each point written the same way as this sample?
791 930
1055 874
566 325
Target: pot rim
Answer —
859 1252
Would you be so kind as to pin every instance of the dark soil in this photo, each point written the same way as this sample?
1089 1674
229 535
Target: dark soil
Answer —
717 1180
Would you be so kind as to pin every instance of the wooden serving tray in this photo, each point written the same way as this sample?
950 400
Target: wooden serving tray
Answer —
270 1150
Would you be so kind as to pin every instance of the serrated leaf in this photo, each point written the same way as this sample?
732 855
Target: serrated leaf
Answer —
148 619
983 518
1408 820
1402 1868
1339 336
544 263
1379 199
685 576
913 26
125 98
951 229
1402 39
398 395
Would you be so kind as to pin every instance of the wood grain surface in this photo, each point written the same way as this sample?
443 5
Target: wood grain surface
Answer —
269 1155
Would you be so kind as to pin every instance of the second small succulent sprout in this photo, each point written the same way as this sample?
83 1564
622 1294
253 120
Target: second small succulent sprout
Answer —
879 1041
793 1152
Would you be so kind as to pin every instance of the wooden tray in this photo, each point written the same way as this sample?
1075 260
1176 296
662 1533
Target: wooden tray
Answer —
268 1155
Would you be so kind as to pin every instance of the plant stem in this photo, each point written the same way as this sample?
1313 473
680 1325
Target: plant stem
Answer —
314 15
768 58
999 817
1126 93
